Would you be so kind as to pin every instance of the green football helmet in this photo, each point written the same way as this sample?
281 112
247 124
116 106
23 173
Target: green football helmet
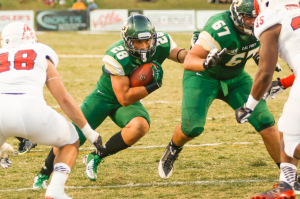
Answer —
240 9
139 27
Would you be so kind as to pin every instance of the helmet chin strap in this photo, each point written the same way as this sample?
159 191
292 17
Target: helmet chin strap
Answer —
144 56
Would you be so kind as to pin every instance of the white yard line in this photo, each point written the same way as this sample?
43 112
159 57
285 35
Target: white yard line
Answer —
195 145
152 184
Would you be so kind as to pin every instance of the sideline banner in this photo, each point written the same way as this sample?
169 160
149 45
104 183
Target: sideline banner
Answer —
108 20
7 17
64 20
172 20
204 15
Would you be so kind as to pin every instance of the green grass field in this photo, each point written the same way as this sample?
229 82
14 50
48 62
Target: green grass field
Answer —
228 160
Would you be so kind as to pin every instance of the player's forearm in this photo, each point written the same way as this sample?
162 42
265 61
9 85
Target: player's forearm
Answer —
132 95
193 63
72 110
261 83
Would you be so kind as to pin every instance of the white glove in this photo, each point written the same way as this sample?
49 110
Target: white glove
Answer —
213 58
274 89
278 68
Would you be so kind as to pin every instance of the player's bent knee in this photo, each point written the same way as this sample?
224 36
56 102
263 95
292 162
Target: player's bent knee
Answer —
194 132
140 124
261 121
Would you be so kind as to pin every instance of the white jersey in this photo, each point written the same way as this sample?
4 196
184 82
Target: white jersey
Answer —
24 69
289 40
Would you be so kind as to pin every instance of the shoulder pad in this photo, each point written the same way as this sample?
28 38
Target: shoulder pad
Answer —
265 20
50 54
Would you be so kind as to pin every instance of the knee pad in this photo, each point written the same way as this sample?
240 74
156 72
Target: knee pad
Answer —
261 120
194 132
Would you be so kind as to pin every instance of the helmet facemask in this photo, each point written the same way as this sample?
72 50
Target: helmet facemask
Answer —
139 27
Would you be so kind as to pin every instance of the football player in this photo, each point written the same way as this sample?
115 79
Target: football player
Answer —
25 67
113 97
277 28
214 69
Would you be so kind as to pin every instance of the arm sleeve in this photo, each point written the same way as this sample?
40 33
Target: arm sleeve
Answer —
288 81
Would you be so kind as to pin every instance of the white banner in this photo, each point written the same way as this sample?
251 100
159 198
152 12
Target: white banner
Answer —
107 20
204 15
7 17
172 20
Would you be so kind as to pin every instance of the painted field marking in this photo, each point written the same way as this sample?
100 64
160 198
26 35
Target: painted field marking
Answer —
152 184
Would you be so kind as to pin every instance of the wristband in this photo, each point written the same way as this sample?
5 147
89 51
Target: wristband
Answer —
288 81
89 133
178 54
251 103
152 87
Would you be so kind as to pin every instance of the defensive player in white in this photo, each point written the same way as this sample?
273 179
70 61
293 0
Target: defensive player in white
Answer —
25 67
277 28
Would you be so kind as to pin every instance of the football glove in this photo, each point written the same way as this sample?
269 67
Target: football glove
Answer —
278 68
195 36
242 114
98 145
213 58
158 74
274 89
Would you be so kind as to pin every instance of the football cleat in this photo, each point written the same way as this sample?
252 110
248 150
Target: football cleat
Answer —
282 191
40 181
56 192
25 146
166 163
91 161
5 163
297 185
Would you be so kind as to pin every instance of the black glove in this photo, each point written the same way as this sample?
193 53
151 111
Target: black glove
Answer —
98 145
274 89
213 58
242 114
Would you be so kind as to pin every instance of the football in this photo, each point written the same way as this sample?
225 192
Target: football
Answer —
142 75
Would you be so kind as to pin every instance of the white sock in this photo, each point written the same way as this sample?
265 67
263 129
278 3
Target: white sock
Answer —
60 174
288 173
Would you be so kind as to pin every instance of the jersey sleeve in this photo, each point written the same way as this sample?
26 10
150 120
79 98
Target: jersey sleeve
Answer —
207 41
265 20
112 66
50 54
173 44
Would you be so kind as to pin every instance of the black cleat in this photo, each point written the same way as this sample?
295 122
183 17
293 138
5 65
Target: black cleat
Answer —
166 163
25 146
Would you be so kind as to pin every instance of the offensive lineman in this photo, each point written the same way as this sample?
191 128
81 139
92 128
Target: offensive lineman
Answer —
214 69
277 28
25 67
113 97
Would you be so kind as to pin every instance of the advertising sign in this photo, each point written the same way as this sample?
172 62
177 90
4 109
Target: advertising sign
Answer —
204 15
64 20
107 20
172 20
7 17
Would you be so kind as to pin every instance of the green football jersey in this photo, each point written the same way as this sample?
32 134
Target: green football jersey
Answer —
117 61
220 32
